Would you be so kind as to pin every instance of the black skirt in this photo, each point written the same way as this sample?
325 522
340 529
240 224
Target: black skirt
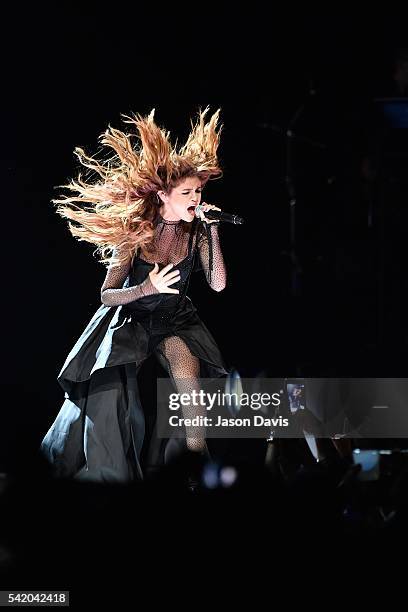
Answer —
99 431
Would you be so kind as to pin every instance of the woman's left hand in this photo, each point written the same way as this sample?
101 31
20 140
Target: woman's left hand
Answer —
204 208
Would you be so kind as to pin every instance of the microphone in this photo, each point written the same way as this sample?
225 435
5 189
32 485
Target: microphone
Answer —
219 215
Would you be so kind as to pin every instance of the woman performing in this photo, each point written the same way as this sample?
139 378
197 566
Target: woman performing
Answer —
140 212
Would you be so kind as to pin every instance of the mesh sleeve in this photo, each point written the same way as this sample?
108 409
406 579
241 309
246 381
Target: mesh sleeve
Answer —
114 291
211 257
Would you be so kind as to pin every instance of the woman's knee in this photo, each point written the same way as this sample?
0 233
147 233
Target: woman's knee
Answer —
179 357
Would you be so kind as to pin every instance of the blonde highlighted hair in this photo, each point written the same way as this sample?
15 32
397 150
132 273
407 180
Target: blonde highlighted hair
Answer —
116 211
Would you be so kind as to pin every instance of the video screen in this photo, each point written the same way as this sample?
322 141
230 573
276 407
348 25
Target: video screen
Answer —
296 394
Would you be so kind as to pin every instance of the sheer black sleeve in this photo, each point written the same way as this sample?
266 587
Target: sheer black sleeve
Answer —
114 291
211 257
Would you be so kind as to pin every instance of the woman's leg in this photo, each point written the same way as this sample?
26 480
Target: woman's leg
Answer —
184 370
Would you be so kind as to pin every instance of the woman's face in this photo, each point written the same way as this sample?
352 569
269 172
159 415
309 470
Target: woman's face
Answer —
182 200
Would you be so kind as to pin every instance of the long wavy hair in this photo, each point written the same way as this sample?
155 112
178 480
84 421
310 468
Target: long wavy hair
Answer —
116 205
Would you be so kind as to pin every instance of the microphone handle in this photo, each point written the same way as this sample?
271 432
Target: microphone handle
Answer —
224 217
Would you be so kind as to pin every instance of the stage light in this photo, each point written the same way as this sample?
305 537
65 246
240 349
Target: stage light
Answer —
210 476
228 476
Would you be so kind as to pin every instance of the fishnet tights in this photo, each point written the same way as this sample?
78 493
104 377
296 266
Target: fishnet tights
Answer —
184 370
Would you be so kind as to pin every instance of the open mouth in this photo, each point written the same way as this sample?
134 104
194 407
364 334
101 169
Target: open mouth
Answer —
191 210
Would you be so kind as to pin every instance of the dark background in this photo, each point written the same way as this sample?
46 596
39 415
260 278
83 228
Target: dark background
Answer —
68 71
71 70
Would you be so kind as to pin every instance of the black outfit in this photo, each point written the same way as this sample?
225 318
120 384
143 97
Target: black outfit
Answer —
99 431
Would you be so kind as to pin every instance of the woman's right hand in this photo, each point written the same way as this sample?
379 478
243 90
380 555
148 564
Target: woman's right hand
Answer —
163 279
